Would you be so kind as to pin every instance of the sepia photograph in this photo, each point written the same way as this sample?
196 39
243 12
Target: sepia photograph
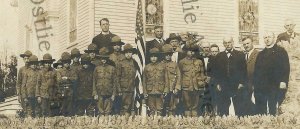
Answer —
149 64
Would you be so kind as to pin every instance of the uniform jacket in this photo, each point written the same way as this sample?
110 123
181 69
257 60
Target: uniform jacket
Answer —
286 37
126 72
75 66
103 41
192 71
173 76
46 83
67 86
116 57
230 71
272 67
85 83
20 81
30 83
154 79
105 80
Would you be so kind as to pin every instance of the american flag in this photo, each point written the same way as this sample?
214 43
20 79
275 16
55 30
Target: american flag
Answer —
141 47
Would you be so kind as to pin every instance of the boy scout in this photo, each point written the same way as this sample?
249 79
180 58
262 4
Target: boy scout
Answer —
85 87
126 71
192 72
46 86
29 86
173 80
75 55
58 65
116 57
105 83
154 83
55 102
21 73
93 52
66 79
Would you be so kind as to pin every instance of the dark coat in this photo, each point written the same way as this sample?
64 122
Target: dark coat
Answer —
272 67
285 37
103 41
229 72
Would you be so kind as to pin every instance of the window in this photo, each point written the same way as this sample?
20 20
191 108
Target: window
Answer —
73 21
248 20
154 16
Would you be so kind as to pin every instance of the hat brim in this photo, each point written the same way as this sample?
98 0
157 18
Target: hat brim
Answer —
132 50
117 43
52 60
66 61
23 55
77 55
169 39
91 51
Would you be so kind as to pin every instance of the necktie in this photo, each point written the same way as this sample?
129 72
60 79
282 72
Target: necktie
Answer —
247 56
160 41
228 54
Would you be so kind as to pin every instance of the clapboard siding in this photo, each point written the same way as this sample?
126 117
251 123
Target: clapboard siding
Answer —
83 26
276 11
214 19
121 15
63 26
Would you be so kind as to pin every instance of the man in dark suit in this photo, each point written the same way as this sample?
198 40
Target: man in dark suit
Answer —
104 38
230 74
250 56
158 42
289 34
271 76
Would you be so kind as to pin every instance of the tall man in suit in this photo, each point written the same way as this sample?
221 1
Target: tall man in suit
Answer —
250 56
230 75
271 76
104 38
158 42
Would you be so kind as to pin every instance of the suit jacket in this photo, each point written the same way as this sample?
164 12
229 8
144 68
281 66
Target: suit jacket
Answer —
152 44
229 72
285 36
272 67
251 66
103 41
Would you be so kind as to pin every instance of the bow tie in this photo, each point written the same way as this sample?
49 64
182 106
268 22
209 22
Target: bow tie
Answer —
228 51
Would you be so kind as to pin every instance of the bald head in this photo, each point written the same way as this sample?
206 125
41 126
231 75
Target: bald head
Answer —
289 25
228 42
269 38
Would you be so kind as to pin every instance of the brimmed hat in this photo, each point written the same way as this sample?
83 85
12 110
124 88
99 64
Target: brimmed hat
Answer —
47 58
173 36
103 52
116 40
26 53
129 48
167 49
65 57
59 62
33 59
85 58
92 48
193 47
75 53
154 52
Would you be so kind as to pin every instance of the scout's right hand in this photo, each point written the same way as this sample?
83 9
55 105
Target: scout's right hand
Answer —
39 99
96 97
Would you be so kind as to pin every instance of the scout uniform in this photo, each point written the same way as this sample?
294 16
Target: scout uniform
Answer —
46 86
75 53
173 80
116 57
67 80
154 82
29 86
85 87
92 49
192 71
20 80
126 71
105 84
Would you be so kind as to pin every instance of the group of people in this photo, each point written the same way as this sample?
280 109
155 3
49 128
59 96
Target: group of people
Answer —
182 77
